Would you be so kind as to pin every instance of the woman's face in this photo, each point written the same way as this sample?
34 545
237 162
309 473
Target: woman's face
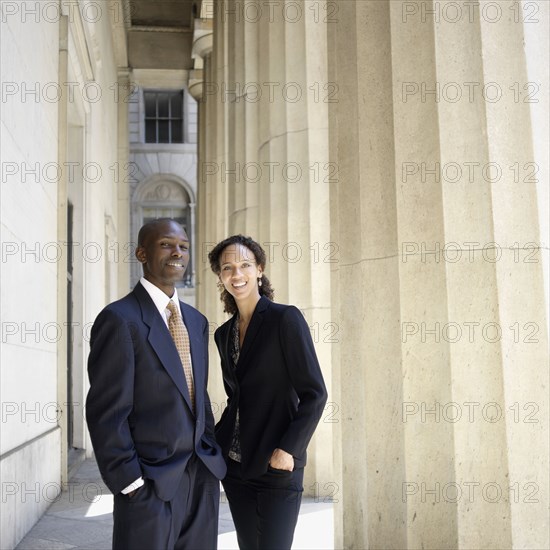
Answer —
239 272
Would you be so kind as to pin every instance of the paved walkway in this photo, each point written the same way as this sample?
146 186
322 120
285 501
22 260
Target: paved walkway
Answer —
82 519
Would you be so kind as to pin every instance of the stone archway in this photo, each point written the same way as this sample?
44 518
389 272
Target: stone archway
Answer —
159 196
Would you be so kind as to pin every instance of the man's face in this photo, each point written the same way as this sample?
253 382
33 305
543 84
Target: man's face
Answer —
164 255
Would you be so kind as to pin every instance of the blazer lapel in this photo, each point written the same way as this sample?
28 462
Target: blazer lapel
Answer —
253 329
162 342
225 352
227 344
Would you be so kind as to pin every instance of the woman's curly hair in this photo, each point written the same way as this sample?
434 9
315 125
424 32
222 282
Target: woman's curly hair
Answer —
230 306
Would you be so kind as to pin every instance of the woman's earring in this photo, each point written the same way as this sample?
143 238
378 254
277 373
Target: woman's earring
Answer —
220 286
259 281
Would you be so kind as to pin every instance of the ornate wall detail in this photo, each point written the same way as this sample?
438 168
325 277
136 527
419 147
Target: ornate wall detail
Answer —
166 191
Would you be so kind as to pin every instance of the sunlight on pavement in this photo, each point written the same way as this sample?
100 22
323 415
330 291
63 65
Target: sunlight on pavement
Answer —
315 530
101 505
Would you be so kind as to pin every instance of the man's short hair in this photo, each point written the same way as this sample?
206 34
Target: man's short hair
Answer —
149 227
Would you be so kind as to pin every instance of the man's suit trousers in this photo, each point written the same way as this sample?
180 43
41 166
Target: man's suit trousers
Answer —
187 522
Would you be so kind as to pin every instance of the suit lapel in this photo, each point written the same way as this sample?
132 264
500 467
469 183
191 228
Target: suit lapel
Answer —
253 329
161 341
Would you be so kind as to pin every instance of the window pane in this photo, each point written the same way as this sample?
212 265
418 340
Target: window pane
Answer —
177 131
164 116
150 131
177 105
162 100
163 131
150 105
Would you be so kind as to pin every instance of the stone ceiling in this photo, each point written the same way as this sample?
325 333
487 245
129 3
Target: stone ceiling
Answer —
160 34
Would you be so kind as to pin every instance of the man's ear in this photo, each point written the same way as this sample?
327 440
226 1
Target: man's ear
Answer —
140 255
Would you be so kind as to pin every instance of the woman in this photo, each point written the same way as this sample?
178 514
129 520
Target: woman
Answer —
276 396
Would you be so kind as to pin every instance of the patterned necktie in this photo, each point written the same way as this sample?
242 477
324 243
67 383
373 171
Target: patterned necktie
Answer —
181 339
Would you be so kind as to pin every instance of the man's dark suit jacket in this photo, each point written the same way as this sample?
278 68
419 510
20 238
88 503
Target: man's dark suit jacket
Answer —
277 387
138 408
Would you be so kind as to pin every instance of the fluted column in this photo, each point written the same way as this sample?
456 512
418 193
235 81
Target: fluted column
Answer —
523 314
192 208
425 361
472 298
367 377
232 97
208 49
250 59
438 296
309 252
272 146
202 50
270 137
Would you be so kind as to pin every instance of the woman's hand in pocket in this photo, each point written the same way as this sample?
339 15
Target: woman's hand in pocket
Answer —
281 460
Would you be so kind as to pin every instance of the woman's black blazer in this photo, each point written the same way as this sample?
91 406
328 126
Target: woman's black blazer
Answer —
277 387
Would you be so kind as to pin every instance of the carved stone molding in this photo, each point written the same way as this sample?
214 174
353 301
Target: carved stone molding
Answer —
203 38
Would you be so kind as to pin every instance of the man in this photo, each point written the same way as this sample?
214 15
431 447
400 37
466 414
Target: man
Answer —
148 411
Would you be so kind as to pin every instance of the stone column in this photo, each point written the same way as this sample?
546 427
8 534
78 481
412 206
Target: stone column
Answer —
202 48
438 298
268 142
537 45
211 208
231 96
425 356
306 176
249 59
475 358
272 144
368 382
193 262
520 297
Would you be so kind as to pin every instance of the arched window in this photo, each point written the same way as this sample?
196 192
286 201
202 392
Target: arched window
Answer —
164 196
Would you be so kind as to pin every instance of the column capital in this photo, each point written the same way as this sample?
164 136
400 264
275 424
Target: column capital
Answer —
195 83
203 37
